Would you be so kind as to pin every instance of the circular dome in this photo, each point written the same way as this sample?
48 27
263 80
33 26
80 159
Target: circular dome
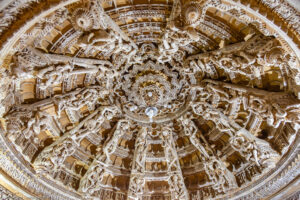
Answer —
168 100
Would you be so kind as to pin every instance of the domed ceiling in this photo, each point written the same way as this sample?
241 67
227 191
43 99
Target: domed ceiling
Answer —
149 99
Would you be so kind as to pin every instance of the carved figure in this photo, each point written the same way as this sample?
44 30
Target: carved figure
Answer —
53 75
97 39
91 182
222 178
111 146
37 124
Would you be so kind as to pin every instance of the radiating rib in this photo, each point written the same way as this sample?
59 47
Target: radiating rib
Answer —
222 179
52 157
57 58
176 182
112 144
252 148
92 180
247 59
191 130
112 24
137 176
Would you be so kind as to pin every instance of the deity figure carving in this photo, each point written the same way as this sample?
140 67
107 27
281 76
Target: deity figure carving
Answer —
254 149
9 95
110 147
248 59
94 124
141 150
217 172
37 124
191 130
274 107
92 180
275 111
78 98
25 62
181 29
54 75
56 156
27 122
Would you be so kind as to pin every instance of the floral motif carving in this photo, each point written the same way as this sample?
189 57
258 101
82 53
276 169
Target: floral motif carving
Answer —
193 100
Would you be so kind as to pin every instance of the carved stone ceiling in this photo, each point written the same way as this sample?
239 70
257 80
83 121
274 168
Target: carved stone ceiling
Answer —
149 99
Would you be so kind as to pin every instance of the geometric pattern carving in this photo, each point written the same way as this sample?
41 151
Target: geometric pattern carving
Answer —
143 100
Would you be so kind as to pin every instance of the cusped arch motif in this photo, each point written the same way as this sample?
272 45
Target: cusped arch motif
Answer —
146 100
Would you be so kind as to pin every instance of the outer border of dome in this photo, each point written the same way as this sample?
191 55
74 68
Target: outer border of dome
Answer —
283 23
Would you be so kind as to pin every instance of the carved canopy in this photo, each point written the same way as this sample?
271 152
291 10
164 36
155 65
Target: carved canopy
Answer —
156 100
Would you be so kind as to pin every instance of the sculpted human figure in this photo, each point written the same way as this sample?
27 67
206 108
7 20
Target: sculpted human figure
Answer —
271 111
168 47
122 128
176 187
176 35
191 130
56 153
97 39
89 127
170 153
217 172
221 177
136 186
141 150
37 124
249 146
17 120
93 125
274 107
106 77
65 149
93 180
24 62
245 147
254 149
138 166
53 157
181 29
209 113
27 121
53 75
66 101
78 98
107 55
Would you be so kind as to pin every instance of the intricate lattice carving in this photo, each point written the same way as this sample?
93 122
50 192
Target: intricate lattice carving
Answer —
98 104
